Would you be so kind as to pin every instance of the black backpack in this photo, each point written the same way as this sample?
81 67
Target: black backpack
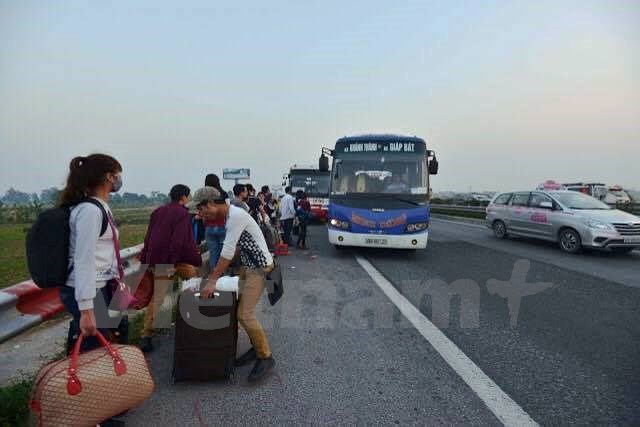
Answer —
48 245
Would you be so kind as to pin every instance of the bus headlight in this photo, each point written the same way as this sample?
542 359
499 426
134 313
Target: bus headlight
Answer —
417 227
336 223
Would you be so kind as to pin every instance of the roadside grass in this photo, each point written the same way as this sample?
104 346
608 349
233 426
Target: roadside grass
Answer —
13 264
132 224
14 400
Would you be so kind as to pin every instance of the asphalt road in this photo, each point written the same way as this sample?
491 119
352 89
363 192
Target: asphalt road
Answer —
345 354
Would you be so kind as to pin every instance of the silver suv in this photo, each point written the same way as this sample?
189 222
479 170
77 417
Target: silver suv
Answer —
573 220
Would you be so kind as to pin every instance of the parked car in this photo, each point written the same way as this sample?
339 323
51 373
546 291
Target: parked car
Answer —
574 220
617 196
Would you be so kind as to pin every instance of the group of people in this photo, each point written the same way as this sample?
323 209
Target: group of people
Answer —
285 213
233 234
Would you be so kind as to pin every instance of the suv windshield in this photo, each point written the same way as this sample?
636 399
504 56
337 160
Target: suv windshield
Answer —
580 201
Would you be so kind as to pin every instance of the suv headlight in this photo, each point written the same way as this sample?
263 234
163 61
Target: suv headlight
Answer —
419 226
599 225
336 223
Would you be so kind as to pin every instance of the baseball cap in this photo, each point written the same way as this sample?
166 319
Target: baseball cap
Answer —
203 195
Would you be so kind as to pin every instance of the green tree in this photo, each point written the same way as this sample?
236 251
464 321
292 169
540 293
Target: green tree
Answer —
16 197
50 196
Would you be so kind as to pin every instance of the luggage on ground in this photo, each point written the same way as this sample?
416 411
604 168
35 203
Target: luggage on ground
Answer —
89 388
206 337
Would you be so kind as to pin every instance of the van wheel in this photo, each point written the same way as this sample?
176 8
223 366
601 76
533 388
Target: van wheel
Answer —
500 229
570 241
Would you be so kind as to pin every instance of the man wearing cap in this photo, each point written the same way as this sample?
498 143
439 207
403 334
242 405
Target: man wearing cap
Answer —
242 234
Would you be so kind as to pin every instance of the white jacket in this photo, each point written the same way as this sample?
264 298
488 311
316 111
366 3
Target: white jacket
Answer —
93 258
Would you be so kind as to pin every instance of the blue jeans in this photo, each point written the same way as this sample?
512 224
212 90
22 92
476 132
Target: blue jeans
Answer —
215 239
103 321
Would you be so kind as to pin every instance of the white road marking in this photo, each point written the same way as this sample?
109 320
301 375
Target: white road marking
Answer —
482 227
498 402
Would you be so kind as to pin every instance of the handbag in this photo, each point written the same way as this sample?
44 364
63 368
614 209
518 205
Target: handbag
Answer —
122 297
144 291
275 284
86 389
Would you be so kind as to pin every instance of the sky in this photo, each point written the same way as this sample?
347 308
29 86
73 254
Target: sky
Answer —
507 93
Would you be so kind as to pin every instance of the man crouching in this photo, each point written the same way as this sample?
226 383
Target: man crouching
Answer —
244 234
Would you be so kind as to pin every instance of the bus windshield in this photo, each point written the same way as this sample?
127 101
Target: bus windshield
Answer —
310 184
379 174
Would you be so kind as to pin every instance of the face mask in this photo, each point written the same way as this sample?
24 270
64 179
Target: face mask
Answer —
117 185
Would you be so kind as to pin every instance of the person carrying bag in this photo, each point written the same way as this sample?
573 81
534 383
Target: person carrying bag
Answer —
90 283
95 271
243 234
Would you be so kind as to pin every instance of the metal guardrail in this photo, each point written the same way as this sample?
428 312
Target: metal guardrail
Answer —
459 208
634 208
25 305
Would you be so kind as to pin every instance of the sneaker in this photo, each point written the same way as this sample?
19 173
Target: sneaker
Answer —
247 358
146 345
261 369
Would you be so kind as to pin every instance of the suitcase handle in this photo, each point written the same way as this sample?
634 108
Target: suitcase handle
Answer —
215 294
74 386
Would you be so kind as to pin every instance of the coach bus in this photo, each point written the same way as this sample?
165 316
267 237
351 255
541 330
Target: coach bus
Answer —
315 183
379 194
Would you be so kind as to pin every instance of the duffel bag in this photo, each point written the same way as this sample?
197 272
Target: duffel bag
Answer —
86 389
271 236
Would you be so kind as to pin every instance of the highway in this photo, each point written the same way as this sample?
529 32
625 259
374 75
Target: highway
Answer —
365 336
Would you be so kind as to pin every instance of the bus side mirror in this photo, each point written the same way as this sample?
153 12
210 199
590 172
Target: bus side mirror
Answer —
323 163
433 166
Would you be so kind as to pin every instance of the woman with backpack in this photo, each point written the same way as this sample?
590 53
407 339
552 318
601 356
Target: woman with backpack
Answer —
215 228
94 258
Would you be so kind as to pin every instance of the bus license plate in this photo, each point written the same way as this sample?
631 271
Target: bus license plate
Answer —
370 241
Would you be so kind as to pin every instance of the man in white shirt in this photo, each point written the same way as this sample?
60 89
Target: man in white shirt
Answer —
287 214
243 234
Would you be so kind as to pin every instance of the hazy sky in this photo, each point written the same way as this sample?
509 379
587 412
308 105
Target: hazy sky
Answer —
508 93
